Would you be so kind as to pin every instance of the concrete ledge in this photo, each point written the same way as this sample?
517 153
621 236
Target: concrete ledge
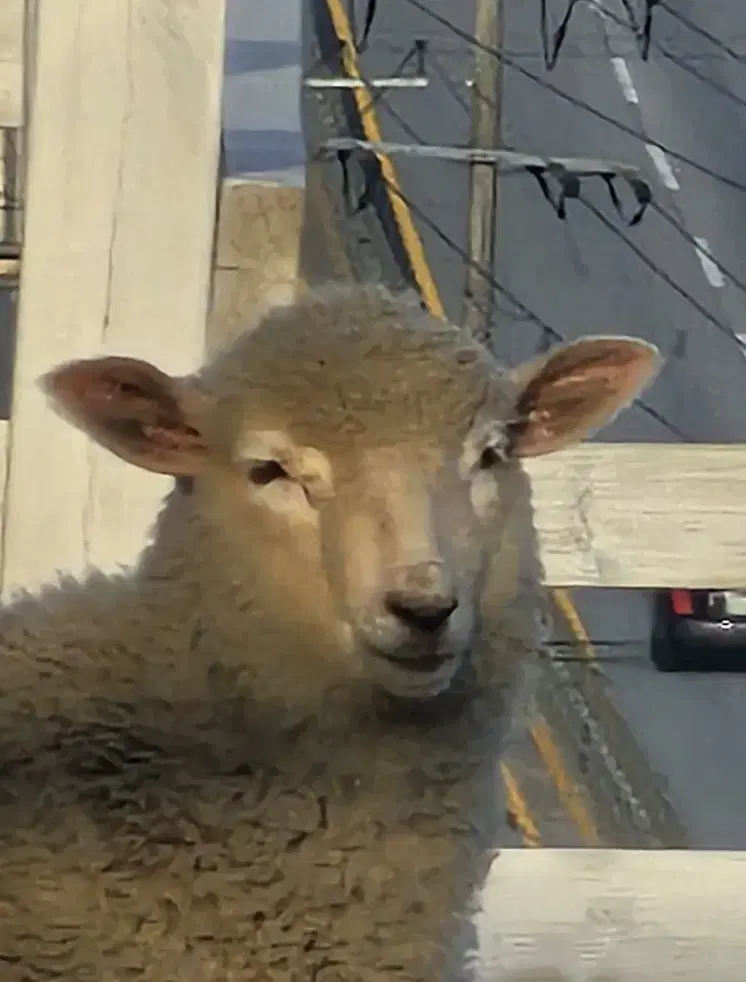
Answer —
257 252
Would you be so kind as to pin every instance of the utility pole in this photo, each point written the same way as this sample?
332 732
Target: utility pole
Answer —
559 178
486 126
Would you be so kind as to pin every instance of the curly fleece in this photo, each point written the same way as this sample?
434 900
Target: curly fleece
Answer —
193 789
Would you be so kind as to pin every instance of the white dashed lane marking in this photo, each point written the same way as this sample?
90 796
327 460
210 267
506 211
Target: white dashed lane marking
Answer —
710 268
665 171
625 80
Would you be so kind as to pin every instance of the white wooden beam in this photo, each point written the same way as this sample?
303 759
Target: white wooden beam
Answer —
11 62
120 205
642 515
587 915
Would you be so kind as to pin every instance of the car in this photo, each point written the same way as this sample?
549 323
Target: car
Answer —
688 622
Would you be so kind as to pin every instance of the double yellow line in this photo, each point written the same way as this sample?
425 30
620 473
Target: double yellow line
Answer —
541 735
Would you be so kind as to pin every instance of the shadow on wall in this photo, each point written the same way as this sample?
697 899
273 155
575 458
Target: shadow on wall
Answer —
258 151
259 56
262 91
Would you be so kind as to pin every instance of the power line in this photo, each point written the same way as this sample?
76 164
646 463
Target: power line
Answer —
578 103
642 31
699 246
548 331
657 270
696 29
558 38
681 63
662 274
551 49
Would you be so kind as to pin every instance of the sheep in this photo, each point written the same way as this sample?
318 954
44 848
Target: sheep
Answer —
269 752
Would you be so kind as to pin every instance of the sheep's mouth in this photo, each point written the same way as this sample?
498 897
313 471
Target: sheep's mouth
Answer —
423 665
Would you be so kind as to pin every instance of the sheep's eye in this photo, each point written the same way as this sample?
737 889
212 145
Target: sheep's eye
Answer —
491 457
264 472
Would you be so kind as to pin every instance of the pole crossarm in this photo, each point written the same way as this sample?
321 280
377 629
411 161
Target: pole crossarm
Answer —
566 171
508 161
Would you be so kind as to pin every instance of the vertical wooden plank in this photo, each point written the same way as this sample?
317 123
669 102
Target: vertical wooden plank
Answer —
11 114
11 62
120 205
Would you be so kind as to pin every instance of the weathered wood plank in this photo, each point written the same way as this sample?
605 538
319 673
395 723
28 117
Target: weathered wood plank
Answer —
120 206
11 62
614 915
642 515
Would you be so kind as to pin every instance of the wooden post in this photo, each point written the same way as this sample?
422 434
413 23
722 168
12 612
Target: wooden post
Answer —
486 123
11 62
120 206
11 114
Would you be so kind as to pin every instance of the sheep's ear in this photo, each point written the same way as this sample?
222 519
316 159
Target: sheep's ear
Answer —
576 389
134 410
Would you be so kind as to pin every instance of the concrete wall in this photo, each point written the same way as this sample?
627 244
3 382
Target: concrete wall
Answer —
261 211
261 97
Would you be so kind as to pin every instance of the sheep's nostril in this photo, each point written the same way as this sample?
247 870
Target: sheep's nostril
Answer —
425 614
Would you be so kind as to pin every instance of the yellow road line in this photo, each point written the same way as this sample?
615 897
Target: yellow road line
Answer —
518 807
570 795
569 611
430 294
517 803
409 235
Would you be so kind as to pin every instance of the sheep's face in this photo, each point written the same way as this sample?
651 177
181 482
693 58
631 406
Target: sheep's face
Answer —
376 449
400 531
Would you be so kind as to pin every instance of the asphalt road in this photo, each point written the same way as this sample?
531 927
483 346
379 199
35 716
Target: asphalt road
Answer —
691 727
580 276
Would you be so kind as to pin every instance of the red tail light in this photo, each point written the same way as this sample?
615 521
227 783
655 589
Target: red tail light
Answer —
681 601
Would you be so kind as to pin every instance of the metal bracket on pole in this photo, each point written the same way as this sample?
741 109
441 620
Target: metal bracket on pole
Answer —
506 160
400 82
566 171
417 80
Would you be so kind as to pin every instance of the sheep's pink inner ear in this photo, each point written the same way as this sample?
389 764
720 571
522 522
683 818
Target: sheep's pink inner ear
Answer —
578 389
134 410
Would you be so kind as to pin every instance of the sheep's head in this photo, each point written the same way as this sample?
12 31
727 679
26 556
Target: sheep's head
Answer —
378 447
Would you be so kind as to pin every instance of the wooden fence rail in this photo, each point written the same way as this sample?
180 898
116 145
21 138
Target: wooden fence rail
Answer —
642 515
613 915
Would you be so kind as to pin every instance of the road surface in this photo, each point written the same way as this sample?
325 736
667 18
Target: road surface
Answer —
691 727
580 276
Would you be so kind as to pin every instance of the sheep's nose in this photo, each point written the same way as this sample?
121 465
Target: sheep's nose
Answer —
425 613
